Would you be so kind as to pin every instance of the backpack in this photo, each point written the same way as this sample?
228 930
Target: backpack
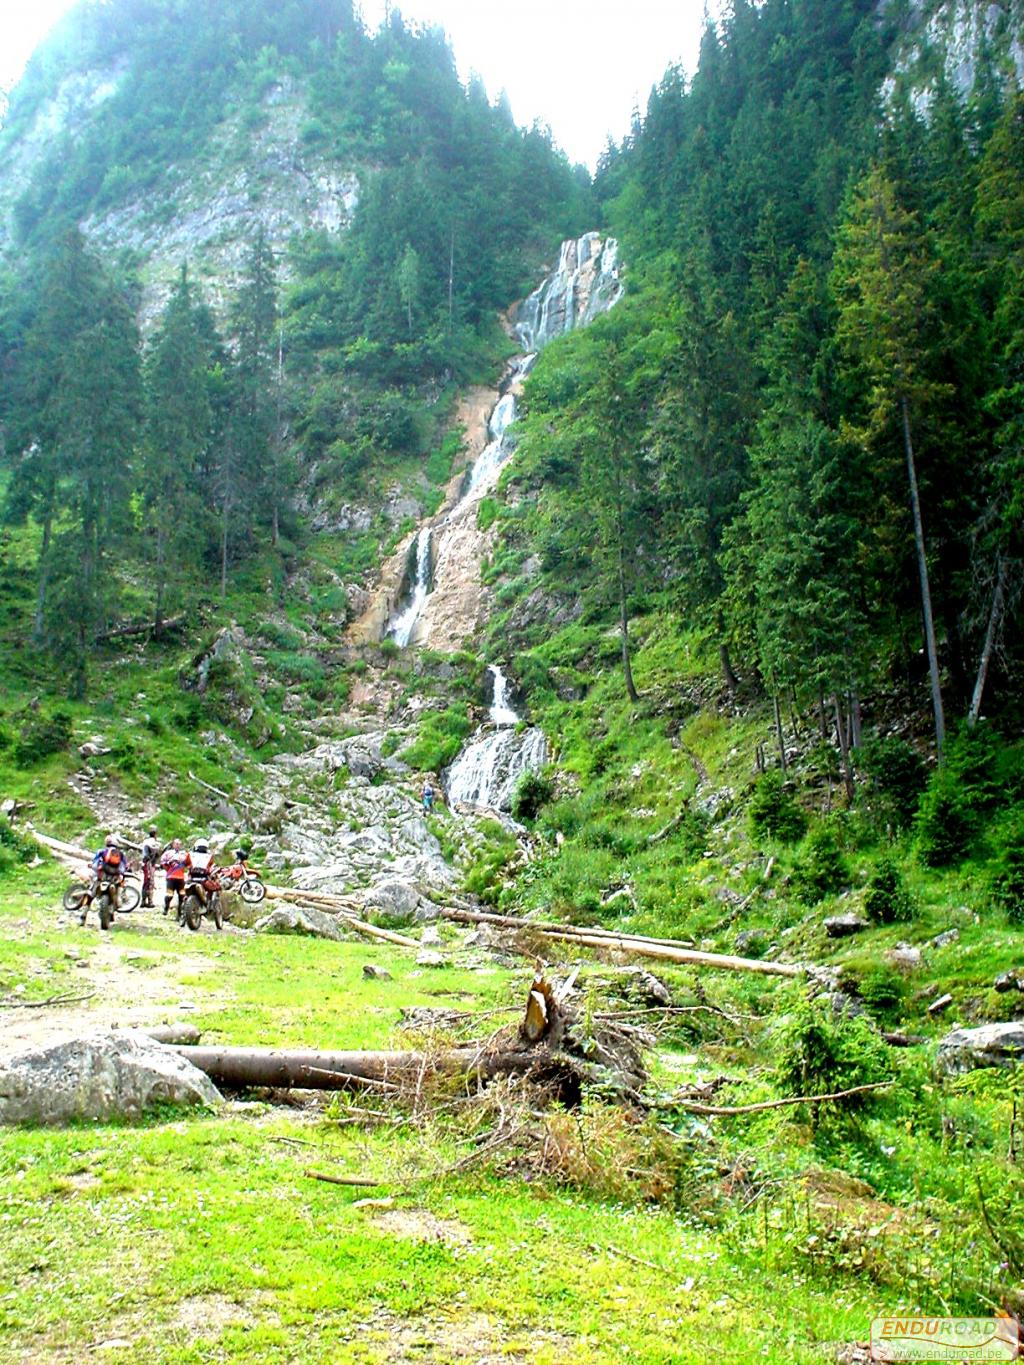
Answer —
112 858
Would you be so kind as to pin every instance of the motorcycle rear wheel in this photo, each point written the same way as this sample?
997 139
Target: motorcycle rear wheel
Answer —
216 911
106 912
193 913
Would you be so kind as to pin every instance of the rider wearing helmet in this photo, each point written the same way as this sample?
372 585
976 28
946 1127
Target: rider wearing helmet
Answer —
175 863
200 868
109 867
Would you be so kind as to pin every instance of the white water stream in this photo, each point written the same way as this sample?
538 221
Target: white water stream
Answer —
584 284
403 623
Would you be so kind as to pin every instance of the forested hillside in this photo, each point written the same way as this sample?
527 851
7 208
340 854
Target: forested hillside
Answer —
613 584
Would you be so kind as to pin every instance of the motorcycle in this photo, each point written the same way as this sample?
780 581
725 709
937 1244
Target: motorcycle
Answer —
250 883
111 896
202 898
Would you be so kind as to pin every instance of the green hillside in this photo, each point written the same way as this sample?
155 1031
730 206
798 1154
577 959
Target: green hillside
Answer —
745 598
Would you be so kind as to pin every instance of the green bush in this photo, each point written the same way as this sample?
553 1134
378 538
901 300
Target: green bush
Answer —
894 776
41 734
945 823
960 794
533 791
819 1053
282 636
300 668
439 740
773 811
887 900
821 868
884 992
1008 877
14 847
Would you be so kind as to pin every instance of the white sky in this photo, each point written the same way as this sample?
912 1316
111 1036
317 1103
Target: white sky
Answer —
577 65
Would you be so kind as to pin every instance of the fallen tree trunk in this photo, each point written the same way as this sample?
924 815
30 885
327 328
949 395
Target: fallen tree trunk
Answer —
141 628
666 950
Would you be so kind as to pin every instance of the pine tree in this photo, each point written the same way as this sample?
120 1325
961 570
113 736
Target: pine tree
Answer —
882 280
179 427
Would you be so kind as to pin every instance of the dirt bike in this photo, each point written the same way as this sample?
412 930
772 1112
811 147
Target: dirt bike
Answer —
202 898
249 882
109 898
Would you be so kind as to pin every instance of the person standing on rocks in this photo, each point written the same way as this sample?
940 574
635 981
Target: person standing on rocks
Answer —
151 852
428 798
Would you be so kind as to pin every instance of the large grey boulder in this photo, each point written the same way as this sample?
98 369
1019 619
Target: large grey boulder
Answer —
99 1076
967 1049
302 920
392 900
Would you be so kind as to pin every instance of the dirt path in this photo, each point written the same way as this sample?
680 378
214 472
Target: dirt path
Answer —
133 981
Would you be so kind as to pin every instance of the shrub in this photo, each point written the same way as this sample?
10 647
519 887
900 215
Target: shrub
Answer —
1008 878
819 1053
895 776
773 811
945 823
959 795
14 847
883 991
439 740
821 868
887 900
40 735
533 791
282 636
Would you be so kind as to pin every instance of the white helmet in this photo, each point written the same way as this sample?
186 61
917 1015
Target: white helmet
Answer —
202 846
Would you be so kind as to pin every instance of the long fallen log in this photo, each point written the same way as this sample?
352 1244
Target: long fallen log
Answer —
239 1068
666 950
549 926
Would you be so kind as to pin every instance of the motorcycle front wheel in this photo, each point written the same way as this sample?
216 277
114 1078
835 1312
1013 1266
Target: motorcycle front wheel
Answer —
252 891
131 895
74 896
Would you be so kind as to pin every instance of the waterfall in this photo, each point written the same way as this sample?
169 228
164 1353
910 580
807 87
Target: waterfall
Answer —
402 624
501 713
488 770
584 284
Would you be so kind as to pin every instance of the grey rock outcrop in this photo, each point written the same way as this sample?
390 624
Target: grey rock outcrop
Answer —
302 920
842 926
100 1076
967 1049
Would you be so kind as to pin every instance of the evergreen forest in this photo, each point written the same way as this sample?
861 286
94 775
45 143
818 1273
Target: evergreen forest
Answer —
694 731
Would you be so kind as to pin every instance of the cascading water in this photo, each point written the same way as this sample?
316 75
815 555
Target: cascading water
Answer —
584 284
501 713
484 472
488 770
401 626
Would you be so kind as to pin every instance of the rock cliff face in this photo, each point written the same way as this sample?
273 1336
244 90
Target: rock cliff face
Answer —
955 37
203 212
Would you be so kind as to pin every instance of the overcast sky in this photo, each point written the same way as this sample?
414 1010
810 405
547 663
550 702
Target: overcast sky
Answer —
577 65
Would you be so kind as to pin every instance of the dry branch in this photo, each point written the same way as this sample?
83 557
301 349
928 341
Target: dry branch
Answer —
343 1179
727 1111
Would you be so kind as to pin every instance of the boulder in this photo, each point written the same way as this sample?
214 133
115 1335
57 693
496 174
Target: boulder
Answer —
905 956
967 1049
300 919
375 973
842 926
100 1076
1008 981
393 900
945 939
429 958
